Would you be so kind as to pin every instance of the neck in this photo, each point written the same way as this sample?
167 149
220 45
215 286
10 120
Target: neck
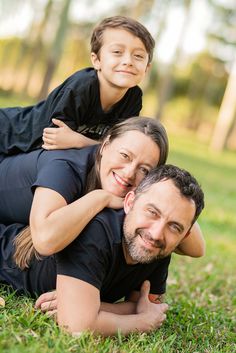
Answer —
109 94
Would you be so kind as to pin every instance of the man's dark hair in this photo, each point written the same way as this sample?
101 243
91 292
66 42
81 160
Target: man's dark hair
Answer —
183 180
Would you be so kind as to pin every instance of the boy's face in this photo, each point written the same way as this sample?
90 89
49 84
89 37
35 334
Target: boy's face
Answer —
122 61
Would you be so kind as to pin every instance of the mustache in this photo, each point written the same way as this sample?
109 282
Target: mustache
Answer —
158 243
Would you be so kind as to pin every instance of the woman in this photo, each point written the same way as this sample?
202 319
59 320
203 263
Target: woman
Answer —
61 191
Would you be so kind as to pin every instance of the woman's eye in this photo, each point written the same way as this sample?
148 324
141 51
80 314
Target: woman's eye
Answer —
144 171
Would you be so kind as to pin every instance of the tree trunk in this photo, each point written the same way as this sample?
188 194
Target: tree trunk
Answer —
56 50
226 114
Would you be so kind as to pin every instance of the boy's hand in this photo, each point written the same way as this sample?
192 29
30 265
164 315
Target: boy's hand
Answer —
62 137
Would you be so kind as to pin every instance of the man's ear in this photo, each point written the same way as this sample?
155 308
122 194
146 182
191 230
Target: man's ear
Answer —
95 61
104 144
129 201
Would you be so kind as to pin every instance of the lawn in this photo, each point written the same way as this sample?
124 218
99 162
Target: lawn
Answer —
201 292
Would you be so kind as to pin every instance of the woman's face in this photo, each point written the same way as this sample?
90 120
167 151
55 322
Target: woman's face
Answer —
126 161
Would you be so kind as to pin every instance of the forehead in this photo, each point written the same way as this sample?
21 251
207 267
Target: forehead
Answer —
118 36
165 196
139 144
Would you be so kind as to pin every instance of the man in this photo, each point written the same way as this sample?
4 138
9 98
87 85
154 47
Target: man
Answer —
108 262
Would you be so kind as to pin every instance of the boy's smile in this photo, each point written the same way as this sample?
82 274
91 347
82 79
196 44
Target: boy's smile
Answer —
122 61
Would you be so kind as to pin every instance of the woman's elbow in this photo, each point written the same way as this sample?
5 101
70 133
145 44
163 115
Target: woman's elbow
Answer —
42 244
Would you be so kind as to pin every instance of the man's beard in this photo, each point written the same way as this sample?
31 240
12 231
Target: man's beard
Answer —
138 253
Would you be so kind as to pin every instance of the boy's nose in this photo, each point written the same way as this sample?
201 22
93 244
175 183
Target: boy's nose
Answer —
127 59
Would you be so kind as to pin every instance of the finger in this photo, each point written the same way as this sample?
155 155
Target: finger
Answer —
164 307
48 306
52 313
145 289
49 147
58 122
49 131
45 297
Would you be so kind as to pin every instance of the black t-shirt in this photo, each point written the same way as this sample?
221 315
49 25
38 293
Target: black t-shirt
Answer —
96 257
64 171
77 102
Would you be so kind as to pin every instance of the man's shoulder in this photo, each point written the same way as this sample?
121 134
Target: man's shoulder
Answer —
111 224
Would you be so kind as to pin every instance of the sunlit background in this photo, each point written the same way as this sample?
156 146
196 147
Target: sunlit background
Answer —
192 83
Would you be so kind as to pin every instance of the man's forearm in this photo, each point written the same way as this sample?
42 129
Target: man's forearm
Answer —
120 308
109 323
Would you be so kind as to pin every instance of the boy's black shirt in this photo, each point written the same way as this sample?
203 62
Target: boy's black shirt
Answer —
76 102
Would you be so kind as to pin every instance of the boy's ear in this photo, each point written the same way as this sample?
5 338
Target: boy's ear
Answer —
95 61
148 68
129 201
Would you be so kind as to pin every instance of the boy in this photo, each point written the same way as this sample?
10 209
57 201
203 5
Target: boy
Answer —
91 100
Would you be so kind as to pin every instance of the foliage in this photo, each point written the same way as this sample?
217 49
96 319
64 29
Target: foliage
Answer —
201 292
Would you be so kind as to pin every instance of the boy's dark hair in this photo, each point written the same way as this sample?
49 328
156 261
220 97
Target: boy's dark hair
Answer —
183 180
122 22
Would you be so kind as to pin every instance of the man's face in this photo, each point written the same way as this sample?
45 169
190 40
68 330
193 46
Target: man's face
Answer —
155 222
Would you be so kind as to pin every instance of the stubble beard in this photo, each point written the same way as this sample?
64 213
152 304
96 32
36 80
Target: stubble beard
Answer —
137 253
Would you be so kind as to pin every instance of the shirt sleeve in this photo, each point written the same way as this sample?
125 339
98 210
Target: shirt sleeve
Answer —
87 258
59 176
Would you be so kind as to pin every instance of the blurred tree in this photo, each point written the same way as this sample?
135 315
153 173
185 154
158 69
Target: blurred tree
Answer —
56 49
167 80
222 37
227 113
37 45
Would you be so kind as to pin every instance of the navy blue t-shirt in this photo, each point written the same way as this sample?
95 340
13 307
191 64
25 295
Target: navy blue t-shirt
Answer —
64 171
95 256
76 102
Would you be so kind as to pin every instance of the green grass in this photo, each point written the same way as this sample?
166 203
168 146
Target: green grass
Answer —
201 292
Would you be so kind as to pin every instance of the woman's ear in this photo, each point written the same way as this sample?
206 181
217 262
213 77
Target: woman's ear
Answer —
129 201
104 144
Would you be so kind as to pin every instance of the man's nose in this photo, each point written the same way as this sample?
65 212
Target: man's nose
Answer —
157 230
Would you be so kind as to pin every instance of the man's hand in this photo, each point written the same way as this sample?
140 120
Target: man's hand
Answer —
153 314
62 137
47 302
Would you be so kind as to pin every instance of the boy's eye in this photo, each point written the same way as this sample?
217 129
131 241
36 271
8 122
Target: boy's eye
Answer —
138 56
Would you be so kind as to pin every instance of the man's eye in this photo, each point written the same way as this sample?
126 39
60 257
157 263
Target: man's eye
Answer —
124 155
152 212
175 228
